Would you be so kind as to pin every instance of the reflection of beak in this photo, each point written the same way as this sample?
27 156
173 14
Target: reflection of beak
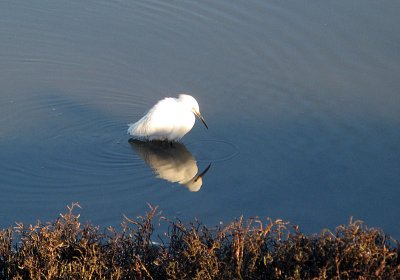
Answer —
202 173
201 118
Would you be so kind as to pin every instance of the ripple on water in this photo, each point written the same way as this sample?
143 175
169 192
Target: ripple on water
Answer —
293 70
67 142
213 150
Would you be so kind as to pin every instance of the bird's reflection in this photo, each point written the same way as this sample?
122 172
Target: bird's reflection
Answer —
171 162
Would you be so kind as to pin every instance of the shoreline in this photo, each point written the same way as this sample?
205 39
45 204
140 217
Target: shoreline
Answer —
241 249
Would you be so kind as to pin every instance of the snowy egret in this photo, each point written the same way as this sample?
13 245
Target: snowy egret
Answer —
170 119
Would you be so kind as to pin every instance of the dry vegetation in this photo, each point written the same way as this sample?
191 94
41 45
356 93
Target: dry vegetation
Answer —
251 249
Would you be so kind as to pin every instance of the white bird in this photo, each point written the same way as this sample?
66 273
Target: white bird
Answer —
169 120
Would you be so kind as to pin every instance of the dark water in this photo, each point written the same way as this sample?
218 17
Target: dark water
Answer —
302 100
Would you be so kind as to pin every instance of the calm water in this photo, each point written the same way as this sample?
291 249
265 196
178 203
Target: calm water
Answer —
302 100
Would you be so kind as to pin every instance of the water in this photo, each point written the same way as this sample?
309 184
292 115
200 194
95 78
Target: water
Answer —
302 101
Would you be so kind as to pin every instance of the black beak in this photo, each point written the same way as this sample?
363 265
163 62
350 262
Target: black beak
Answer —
201 118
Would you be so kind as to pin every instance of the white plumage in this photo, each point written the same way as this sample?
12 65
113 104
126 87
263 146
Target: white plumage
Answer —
170 119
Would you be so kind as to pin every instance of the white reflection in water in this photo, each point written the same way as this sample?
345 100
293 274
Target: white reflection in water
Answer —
171 162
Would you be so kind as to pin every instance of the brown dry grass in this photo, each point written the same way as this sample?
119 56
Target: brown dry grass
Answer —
244 249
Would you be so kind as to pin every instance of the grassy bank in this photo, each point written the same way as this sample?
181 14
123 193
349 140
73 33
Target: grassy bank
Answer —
244 249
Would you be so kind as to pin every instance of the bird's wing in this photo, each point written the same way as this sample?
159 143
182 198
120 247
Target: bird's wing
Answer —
157 121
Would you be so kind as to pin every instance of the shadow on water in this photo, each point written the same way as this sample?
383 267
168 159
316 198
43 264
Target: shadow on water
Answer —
172 162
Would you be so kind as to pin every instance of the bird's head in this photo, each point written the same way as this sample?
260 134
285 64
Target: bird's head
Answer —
192 104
